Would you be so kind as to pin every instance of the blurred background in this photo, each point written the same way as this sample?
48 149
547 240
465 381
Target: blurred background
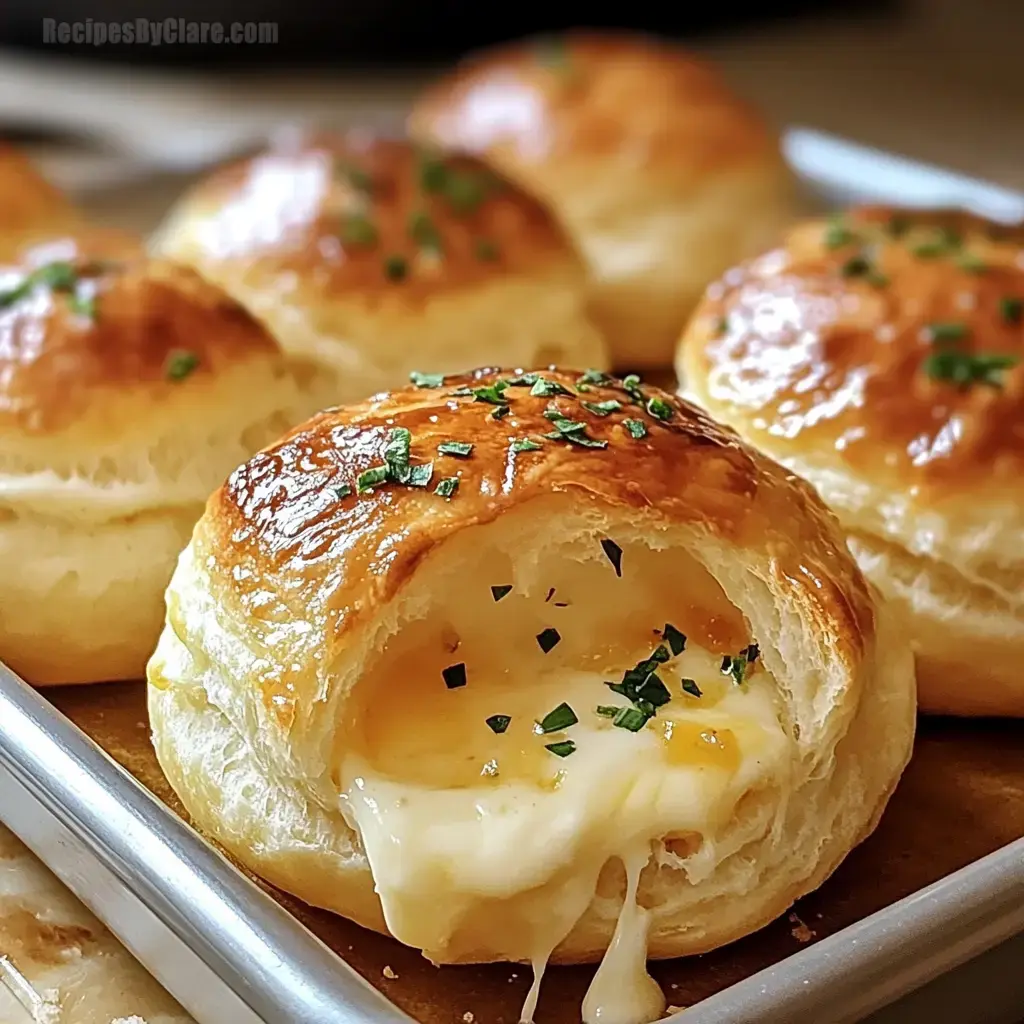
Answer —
937 80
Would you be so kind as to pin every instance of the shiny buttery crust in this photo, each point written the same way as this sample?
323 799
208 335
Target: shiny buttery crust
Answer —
287 590
309 235
106 459
662 176
818 353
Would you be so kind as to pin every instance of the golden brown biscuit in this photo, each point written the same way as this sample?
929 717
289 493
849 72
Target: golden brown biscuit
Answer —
29 205
477 662
128 391
879 354
662 176
375 257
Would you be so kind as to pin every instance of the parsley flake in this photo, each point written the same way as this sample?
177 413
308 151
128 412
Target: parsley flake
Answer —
372 477
602 408
458 449
607 710
544 388
500 591
614 554
690 686
1011 309
637 429
492 393
674 638
358 230
659 409
500 412
423 231
555 721
525 444
426 380
447 486
419 476
396 268
180 364
548 639
340 491
498 723
951 330
967 368
596 377
633 719
454 675
563 749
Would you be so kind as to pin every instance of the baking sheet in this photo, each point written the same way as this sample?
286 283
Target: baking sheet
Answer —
961 798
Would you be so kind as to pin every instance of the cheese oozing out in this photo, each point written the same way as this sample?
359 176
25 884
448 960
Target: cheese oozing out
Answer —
489 840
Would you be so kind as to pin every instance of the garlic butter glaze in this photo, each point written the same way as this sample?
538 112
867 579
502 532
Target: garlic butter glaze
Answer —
128 388
538 667
375 256
881 355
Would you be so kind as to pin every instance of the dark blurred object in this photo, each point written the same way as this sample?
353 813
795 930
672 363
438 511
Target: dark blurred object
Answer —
375 31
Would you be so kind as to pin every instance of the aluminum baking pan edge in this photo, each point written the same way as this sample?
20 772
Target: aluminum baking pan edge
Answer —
228 952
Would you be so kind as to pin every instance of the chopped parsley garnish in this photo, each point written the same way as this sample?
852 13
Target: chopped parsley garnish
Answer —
1011 309
423 231
951 238
722 325
737 665
372 477
690 686
659 408
500 591
607 710
340 491
951 330
573 431
563 749
454 675
447 486
967 368
396 268
548 639
426 380
544 388
555 721
493 393
459 449
631 385
876 279
613 553
486 250
396 452
501 412
602 408
972 263
856 266
433 173
420 476
498 723
632 719
596 377
674 638
83 305
928 250
525 444
358 230
524 380
637 428
462 392
180 364
637 677
464 191
837 235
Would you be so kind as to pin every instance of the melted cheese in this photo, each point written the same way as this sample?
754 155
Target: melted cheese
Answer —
472 833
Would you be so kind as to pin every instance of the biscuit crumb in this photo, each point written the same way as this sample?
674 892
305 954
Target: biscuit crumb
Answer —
800 931
388 973
468 1017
